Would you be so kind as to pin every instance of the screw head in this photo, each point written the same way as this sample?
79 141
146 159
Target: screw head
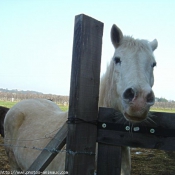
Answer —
104 125
152 131
127 128
136 128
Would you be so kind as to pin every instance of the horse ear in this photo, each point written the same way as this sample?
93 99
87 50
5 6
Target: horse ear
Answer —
154 44
116 35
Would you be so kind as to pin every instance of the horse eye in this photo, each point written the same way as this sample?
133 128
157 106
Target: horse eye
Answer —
154 64
117 60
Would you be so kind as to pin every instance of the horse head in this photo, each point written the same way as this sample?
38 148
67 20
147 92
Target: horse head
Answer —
129 78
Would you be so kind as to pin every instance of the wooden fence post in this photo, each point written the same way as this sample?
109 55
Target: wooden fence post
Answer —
84 91
109 159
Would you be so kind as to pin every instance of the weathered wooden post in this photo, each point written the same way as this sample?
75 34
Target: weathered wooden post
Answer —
109 155
84 91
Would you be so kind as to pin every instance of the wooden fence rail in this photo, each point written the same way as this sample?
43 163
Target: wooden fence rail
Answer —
158 132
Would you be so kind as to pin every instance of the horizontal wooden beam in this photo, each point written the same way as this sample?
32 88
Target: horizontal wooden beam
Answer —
158 132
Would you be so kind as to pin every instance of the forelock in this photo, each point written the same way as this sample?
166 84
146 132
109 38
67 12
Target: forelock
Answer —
135 45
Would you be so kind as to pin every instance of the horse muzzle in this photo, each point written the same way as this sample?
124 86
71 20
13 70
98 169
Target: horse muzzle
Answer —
136 104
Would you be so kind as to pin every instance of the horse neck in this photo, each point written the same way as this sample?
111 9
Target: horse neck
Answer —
107 94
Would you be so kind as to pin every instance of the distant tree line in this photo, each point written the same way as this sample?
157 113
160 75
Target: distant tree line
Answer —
161 99
18 96
163 103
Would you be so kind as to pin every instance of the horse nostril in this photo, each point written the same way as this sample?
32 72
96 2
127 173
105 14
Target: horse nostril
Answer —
129 94
150 97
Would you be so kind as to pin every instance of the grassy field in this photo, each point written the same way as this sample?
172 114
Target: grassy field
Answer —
163 110
9 104
63 108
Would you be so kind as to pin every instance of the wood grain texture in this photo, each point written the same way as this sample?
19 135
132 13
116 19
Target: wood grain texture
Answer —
109 159
163 124
84 91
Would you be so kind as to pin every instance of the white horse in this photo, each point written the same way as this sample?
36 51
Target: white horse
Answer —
126 86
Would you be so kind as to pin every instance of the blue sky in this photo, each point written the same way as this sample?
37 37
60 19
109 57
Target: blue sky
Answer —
36 39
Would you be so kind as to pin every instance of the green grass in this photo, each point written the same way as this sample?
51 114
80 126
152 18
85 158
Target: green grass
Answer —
9 104
63 108
163 110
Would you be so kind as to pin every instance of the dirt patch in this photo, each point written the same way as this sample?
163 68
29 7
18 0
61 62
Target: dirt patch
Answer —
144 161
152 162
4 163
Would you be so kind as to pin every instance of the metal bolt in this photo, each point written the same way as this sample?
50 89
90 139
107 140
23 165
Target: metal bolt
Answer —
152 131
104 125
127 128
136 128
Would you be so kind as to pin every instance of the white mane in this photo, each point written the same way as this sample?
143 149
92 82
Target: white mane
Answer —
135 45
